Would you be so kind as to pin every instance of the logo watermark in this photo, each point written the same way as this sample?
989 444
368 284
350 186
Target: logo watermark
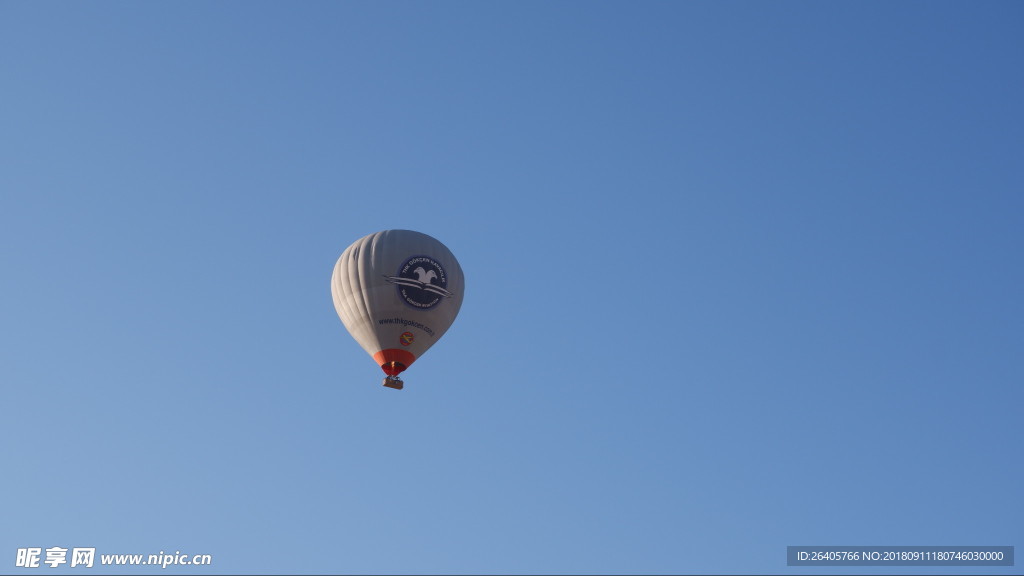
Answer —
87 558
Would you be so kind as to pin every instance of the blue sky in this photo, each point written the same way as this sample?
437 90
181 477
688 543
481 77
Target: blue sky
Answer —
740 276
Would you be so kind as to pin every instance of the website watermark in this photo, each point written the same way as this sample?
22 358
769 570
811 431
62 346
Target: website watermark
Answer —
87 558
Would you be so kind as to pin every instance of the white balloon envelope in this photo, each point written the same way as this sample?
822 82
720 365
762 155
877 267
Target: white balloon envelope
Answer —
397 292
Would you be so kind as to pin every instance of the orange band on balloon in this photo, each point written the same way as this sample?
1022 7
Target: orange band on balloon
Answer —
394 360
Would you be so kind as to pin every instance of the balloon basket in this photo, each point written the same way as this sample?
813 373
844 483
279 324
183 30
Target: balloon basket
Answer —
394 382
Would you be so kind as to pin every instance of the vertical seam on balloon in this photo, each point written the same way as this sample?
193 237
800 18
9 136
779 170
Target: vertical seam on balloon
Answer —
364 290
343 291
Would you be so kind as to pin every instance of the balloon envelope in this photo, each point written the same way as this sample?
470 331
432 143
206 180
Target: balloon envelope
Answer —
397 292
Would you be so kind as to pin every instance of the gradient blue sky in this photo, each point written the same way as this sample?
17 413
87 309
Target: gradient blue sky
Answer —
740 275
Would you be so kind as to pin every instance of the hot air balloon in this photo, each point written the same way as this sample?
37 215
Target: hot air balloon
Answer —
397 292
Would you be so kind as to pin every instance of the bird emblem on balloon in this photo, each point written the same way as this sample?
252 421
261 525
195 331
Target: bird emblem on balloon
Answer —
422 281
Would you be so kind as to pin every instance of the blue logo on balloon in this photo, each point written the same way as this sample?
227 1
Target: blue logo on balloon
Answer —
421 282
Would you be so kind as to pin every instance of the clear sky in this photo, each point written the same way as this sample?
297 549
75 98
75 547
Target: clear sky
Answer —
740 276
